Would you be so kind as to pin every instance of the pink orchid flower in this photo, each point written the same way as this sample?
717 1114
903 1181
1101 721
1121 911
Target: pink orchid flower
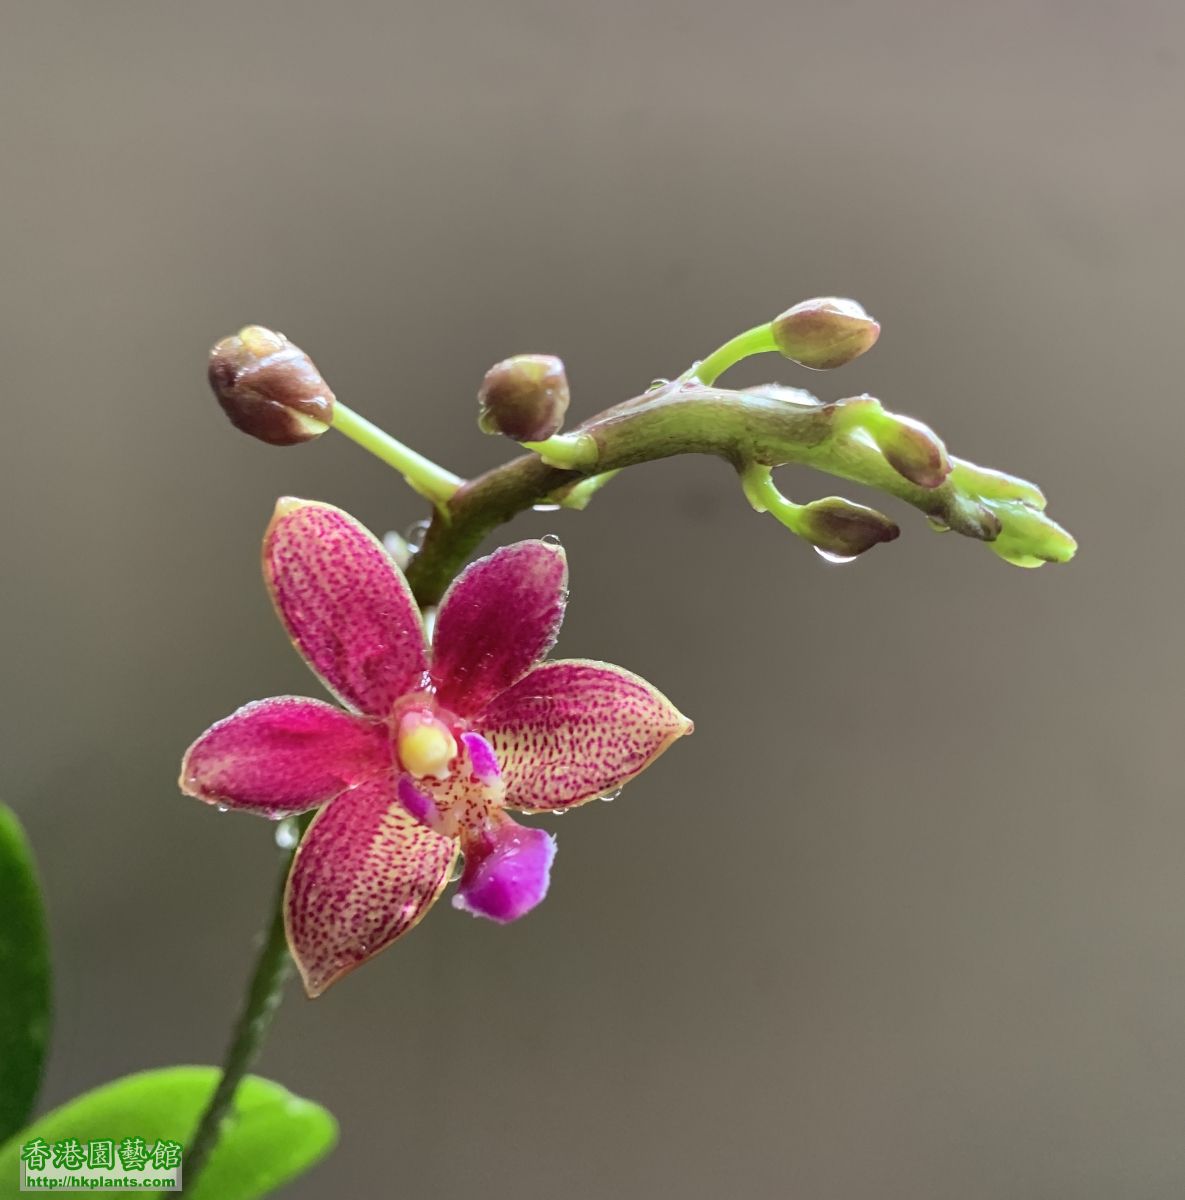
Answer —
437 742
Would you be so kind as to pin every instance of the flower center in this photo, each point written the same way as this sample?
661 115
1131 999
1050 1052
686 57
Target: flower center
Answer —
425 745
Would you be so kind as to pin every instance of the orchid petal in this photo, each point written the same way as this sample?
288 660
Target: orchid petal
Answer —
364 874
507 872
419 804
282 756
345 604
482 759
500 616
573 730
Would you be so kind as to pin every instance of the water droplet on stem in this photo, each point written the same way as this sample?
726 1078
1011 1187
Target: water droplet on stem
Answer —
414 535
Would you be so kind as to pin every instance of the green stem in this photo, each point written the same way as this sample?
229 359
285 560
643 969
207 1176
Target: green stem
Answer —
273 967
762 493
433 482
579 494
568 451
743 428
759 340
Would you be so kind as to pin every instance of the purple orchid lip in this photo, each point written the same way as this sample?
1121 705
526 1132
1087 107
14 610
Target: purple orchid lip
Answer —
493 727
508 874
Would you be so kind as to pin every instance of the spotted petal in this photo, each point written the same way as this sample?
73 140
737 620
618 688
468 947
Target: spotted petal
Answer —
284 755
345 604
498 619
365 873
573 730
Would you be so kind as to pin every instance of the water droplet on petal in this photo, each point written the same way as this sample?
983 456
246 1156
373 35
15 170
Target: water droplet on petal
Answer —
414 535
832 557
223 808
611 795
287 835
552 539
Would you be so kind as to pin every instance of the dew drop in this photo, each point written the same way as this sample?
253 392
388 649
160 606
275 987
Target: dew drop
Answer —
286 834
552 539
397 548
937 525
611 795
832 557
223 808
655 384
413 535
545 507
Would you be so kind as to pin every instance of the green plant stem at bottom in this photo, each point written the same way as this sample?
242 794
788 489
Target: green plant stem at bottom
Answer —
273 969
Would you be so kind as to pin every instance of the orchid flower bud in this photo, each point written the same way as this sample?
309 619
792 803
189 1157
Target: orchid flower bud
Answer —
912 449
524 398
825 332
1027 537
842 528
270 388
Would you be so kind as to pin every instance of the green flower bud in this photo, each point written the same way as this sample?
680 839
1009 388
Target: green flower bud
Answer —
524 398
270 388
842 529
1027 537
825 332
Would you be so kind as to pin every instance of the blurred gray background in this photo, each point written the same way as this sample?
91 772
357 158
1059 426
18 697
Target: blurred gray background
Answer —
906 917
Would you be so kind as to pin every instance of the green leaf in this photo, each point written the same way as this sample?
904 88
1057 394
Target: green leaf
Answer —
271 1137
24 977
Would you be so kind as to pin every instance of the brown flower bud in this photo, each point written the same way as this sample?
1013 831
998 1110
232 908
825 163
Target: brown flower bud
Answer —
270 388
825 332
524 398
842 529
913 450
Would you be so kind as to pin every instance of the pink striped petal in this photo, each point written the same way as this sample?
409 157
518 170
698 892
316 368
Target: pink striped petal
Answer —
365 873
501 616
345 604
507 871
284 755
573 730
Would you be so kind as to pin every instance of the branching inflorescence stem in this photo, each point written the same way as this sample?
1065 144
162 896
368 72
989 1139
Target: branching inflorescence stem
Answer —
758 428
270 389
